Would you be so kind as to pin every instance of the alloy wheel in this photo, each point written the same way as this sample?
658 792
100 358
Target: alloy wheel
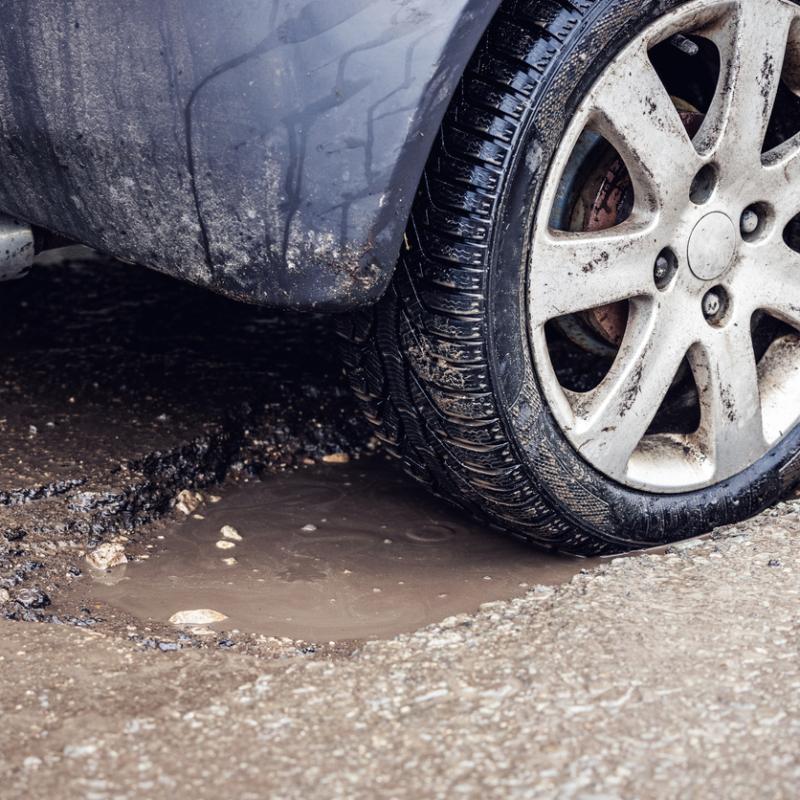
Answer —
664 281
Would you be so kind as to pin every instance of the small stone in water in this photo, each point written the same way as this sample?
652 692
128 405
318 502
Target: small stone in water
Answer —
336 458
224 544
188 501
231 562
197 616
107 556
309 528
229 532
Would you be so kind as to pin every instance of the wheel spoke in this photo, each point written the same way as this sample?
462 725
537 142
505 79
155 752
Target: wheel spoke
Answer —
775 288
780 178
752 42
633 110
727 379
574 272
723 272
613 419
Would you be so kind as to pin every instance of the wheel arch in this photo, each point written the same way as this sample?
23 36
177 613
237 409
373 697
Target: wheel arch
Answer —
454 54
269 151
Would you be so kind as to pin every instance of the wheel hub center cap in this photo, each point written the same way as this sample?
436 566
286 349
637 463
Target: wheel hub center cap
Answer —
712 246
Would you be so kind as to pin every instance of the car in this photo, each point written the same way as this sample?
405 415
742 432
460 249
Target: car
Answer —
562 236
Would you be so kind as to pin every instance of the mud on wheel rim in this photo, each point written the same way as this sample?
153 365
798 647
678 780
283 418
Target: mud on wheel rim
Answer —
695 263
556 283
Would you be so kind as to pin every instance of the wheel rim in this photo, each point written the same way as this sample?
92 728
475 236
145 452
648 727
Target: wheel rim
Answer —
705 253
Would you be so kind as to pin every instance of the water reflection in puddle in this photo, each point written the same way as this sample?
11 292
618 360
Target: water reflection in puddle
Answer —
331 553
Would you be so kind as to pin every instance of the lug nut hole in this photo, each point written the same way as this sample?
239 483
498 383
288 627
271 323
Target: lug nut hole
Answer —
704 185
756 221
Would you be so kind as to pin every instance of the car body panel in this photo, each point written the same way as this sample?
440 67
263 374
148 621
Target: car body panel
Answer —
267 149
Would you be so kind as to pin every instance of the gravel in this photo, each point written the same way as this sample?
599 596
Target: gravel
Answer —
197 616
106 556
123 394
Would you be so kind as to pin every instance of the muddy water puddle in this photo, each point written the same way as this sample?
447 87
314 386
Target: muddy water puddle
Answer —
329 553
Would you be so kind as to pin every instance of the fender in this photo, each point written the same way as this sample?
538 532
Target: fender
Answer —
267 149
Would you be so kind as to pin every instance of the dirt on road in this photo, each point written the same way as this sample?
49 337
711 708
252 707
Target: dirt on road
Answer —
371 642
668 676
121 388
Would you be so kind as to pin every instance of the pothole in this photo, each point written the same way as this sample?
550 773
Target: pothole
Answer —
327 554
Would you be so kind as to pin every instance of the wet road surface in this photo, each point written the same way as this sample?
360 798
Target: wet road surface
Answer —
672 676
328 553
120 388
661 675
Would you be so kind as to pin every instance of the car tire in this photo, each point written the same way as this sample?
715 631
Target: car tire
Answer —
445 366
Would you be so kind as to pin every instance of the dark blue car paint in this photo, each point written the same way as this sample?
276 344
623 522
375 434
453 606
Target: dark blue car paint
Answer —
267 149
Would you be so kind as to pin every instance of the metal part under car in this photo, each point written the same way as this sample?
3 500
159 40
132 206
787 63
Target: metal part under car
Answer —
16 249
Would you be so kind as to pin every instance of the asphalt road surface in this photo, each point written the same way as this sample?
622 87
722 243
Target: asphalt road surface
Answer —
674 674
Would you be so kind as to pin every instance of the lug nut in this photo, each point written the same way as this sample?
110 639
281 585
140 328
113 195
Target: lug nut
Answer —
662 268
750 222
686 46
665 268
712 305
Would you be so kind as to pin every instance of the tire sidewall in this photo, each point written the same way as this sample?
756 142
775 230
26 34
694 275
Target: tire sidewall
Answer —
591 502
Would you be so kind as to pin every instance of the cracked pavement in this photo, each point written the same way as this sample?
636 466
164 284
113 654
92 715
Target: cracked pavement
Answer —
119 388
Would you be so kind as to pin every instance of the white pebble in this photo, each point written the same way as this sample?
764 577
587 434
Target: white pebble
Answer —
223 544
336 458
229 532
197 616
187 501
107 556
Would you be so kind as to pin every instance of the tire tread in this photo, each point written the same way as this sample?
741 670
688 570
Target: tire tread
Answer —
419 361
